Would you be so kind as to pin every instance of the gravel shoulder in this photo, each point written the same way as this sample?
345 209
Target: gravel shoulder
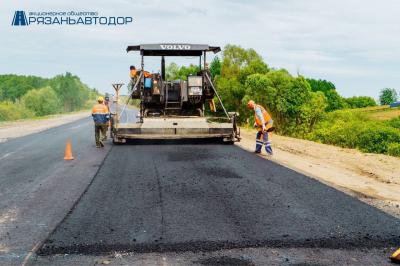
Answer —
372 178
15 129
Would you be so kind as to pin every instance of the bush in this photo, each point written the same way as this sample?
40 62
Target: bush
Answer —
341 133
334 100
360 101
340 128
395 122
42 101
295 109
376 138
14 111
394 149
351 129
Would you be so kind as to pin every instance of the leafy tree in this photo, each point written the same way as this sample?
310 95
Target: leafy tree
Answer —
321 85
360 101
335 101
42 101
232 92
71 91
174 72
293 106
12 87
237 60
215 67
237 65
313 111
387 96
171 71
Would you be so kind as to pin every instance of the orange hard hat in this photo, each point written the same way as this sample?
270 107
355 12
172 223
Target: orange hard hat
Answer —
251 104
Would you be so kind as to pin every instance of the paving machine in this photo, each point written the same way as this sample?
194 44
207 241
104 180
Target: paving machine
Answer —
173 109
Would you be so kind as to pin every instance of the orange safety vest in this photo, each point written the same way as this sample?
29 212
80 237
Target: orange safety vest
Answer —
133 73
266 115
99 109
100 113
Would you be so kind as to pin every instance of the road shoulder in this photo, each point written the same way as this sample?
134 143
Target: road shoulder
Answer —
15 129
371 178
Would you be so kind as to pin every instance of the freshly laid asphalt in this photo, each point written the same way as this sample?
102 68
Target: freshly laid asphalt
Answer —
206 197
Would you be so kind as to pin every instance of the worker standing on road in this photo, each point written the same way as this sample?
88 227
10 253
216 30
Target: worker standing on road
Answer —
263 122
101 116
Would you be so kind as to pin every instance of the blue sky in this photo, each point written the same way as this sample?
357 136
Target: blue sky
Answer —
353 43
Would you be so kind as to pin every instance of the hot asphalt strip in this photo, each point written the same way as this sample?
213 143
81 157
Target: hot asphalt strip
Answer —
180 197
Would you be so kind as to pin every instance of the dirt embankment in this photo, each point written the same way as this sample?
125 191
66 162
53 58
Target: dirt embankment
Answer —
9 130
373 178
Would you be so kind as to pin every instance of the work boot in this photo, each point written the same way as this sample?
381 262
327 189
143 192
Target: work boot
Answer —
257 152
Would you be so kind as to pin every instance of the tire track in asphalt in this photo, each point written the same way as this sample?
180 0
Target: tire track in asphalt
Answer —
161 200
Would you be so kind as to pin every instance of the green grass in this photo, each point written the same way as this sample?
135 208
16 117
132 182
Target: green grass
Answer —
379 112
372 129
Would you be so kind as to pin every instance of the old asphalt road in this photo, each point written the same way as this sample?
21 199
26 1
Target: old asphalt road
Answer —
174 198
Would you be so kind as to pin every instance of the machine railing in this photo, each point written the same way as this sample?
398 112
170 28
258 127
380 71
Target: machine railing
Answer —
130 96
216 93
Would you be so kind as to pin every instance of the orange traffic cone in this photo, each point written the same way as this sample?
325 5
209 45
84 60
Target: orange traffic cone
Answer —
396 256
68 151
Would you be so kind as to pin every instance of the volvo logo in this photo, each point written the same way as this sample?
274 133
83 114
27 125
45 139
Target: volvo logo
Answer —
175 46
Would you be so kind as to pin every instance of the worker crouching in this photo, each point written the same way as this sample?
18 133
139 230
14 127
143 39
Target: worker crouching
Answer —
264 124
101 117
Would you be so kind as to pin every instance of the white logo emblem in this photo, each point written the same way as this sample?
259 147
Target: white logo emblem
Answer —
175 46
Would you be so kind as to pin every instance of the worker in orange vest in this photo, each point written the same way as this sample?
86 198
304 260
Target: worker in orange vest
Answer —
263 122
101 115
132 72
133 76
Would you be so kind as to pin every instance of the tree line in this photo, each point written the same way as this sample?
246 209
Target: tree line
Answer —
30 96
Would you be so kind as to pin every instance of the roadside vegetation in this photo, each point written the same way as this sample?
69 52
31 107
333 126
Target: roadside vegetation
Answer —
302 107
24 97
358 129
